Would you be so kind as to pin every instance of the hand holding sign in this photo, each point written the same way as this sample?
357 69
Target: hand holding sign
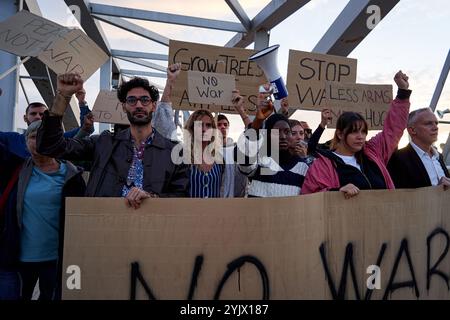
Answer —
173 71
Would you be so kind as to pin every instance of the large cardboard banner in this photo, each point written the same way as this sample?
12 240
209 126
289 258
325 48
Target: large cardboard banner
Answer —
214 59
76 52
318 246
61 49
370 100
308 74
108 109
27 34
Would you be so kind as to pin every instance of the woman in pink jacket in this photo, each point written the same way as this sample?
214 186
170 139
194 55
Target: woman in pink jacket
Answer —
353 164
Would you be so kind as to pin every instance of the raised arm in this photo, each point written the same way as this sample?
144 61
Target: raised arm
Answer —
50 139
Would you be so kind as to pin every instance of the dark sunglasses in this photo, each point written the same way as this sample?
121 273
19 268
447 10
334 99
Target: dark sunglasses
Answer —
132 100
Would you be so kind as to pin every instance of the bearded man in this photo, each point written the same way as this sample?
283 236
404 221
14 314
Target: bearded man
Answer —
135 163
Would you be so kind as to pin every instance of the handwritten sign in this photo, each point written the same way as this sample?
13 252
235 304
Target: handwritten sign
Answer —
214 59
108 109
316 246
371 101
26 34
210 88
308 74
76 52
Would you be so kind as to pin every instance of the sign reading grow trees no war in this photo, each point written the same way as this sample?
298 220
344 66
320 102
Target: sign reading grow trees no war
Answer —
61 49
219 60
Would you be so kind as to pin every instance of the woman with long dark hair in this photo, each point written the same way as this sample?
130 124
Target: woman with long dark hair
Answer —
353 164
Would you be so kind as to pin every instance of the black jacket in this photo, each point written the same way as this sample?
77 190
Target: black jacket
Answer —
112 156
408 171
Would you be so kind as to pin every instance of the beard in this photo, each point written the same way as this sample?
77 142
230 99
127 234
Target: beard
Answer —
139 120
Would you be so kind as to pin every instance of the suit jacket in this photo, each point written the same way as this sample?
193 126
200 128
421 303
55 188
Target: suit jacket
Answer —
407 170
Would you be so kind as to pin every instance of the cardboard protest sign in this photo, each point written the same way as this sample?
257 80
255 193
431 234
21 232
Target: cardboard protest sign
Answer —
108 109
371 101
26 34
210 88
308 74
317 246
214 59
76 52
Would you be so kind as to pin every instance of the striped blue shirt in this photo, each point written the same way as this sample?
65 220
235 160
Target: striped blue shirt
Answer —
205 184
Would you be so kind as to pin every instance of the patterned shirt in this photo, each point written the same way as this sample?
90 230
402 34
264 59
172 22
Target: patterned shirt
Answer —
205 184
135 175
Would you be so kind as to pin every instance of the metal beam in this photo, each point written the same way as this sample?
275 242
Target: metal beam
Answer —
145 63
142 55
271 15
240 13
262 38
143 73
102 9
441 82
352 25
133 28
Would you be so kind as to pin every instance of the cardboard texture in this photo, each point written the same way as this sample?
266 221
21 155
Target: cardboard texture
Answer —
76 52
27 34
108 109
214 59
308 74
210 88
286 235
371 101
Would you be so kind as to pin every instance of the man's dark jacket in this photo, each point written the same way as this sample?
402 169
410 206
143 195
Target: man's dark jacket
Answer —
407 170
112 156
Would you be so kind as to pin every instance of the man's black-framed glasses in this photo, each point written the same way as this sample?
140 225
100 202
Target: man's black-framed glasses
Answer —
132 100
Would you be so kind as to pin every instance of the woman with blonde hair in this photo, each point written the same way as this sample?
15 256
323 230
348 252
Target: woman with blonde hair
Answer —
201 151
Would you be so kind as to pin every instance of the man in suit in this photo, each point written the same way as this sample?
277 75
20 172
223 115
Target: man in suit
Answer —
419 164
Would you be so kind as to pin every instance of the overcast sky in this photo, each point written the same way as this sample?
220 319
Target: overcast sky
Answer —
413 37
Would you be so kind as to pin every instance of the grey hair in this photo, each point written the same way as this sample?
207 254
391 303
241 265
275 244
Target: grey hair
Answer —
412 118
32 128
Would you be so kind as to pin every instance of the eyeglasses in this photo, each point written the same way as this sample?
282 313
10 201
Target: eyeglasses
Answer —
308 131
132 100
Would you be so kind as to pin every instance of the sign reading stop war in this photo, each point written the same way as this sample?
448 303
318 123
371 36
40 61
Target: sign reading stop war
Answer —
210 88
214 59
26 34
316 246
371 101
108 109
308 73
75 53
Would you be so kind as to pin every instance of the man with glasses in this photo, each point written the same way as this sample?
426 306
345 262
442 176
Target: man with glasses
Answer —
135 163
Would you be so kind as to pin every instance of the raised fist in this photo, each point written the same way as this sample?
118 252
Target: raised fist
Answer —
69 83
401 80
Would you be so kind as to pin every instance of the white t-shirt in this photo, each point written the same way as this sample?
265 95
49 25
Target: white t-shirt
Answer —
350 160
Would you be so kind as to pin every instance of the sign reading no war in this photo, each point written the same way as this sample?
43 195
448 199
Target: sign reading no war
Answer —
214 59
317 246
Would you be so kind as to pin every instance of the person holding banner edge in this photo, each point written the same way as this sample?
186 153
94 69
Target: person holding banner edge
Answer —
353 164
135 163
